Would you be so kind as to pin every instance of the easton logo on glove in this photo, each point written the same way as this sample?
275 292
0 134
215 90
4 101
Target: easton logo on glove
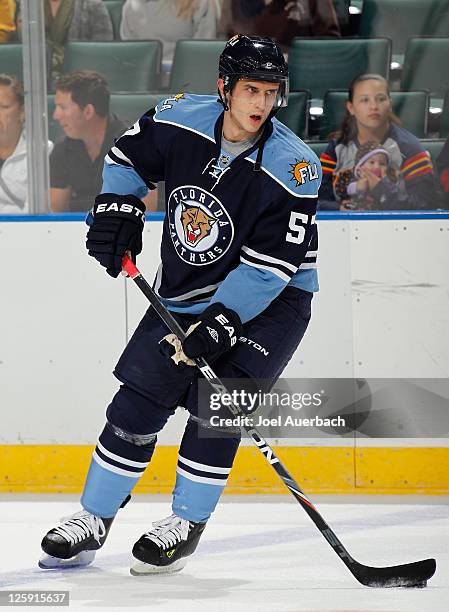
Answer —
119 207
216 332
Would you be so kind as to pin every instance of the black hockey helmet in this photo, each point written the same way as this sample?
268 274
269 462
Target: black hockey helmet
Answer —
257 58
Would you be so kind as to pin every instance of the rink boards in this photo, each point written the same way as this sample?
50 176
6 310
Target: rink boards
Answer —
382 312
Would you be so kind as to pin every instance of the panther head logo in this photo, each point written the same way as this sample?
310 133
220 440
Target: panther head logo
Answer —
196 222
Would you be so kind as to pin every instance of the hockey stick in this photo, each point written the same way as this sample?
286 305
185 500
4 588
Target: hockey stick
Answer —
408 575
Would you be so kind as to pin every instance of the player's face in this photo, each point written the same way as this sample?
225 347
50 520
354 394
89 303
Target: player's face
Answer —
11 117
250 103
377 164
371 105
69 115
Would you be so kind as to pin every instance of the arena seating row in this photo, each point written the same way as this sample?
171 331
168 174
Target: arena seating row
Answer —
315 64
397 19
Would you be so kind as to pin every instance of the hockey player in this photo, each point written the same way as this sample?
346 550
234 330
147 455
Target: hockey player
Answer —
238 254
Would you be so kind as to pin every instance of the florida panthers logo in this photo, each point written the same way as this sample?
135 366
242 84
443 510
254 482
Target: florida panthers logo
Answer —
197 224
200 227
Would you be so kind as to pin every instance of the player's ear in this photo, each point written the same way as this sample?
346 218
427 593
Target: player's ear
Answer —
349 108
220 86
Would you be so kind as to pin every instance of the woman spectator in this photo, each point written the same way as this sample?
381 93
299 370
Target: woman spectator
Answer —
369 118
13 156
168 21
443 170
70 20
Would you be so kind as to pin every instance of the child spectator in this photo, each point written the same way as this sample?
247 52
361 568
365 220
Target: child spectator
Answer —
168 21
369 117
352 187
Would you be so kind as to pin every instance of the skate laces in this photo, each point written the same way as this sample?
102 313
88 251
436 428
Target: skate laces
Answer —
169 531
80 525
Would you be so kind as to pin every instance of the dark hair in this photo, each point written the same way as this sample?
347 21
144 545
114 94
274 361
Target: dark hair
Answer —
348 129
87 87
15 85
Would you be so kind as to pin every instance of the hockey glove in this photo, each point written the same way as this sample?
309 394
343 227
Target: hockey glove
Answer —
216 332
118 222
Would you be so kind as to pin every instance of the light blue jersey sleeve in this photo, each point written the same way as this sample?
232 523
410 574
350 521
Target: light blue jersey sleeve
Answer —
257 287
122 180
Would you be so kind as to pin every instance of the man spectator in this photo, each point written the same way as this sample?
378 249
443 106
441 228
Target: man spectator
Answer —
279 19
76 163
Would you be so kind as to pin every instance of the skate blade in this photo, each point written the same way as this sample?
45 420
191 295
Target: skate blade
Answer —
143 569
82 559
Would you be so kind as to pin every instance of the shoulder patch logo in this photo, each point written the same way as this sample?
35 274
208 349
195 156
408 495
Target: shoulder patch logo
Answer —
170 102
200 227
303 171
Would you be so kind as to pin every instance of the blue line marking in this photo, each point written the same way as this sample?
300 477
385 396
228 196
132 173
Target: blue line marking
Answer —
81 216
393 215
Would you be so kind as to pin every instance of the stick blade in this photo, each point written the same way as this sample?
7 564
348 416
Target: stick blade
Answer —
408 575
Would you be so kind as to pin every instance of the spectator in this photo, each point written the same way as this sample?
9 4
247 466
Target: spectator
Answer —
7 20
443 171
13 154
168 21
279 19
70 20
409 183
76 163
351 186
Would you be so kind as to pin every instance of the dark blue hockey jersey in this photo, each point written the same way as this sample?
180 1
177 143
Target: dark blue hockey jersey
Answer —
236 230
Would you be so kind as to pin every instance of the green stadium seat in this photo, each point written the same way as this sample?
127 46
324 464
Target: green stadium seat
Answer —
402 19
433 146
128 66
319 64
295 115
115 11
195 66
317 147
444 125
11 60
411 107
130 107
426 65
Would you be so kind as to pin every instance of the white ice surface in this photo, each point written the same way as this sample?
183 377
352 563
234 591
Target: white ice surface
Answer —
253 556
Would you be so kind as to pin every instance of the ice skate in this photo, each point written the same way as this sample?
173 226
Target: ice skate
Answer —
165 548
75 541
